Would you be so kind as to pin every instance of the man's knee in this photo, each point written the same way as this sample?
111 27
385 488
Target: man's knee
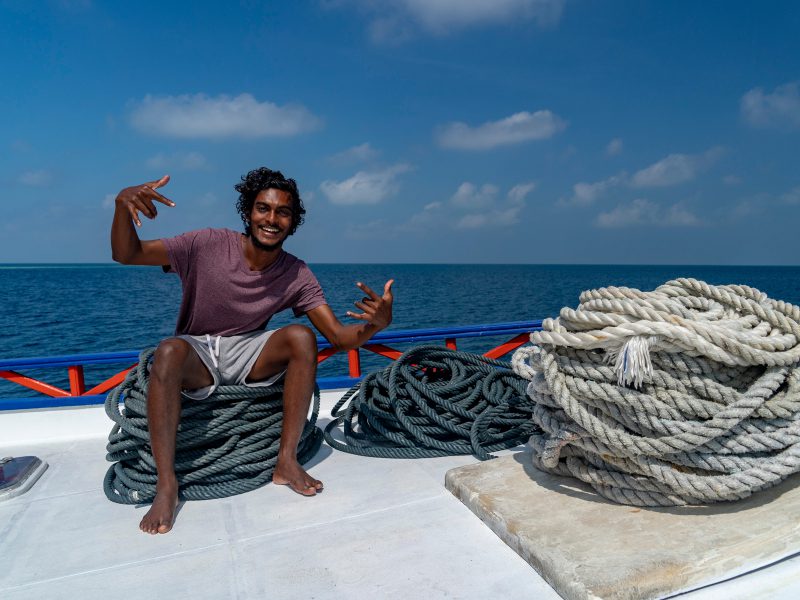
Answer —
169 359
301 341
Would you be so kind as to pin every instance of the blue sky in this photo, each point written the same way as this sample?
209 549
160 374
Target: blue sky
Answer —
499 131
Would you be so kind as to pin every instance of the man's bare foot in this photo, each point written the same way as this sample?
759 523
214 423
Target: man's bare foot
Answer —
289 472
161 515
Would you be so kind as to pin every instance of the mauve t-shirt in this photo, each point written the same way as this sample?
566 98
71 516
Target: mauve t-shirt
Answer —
222 296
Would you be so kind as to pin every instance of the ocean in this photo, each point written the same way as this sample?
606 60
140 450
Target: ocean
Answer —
50 310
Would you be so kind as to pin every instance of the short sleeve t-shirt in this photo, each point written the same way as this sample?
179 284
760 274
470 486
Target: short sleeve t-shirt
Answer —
222 296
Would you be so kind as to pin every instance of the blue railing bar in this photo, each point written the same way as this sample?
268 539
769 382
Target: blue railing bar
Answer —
455 330
69 360
6 404
460 336
439 333
388 337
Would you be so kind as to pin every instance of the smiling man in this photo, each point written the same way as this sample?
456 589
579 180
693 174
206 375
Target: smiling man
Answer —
233 284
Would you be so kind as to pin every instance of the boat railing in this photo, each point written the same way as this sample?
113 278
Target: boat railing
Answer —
79 393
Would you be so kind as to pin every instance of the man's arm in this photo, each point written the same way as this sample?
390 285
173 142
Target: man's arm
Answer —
377 315
126 247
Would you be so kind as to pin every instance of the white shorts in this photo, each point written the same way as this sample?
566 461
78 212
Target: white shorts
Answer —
229 359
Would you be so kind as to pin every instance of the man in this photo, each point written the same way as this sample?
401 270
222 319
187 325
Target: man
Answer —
232 285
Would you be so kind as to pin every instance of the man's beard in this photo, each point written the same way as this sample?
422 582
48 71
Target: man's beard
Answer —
261 245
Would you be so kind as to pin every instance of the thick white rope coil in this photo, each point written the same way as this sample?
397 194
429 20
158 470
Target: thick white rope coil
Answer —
689 394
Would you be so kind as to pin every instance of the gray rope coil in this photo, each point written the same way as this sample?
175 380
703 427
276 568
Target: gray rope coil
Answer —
686 395
226 445
433 401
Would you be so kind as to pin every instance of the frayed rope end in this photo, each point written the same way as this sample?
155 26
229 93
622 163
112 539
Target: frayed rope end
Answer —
632 361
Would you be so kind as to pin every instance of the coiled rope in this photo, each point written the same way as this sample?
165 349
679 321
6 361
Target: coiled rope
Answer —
689 394
433 401
227 444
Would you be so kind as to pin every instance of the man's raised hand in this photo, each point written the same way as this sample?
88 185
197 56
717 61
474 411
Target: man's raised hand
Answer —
140 199
377 310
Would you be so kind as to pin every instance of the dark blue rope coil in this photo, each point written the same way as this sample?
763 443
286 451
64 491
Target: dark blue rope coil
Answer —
226 445
433 401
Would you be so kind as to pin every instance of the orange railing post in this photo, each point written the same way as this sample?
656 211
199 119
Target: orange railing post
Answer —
77 386
354 363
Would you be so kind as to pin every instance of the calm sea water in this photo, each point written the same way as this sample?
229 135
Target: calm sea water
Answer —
50 310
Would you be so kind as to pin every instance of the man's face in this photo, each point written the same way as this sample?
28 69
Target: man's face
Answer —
271 219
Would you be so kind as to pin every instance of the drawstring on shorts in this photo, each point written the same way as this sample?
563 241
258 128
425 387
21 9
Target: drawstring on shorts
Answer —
214 349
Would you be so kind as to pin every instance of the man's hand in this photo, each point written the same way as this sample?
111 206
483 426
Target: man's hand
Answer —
377 315
377 310
140 199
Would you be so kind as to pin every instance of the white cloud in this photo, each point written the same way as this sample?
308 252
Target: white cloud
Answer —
470 197
494 218
671 170
108 201
747 208
731 180
584 194
391 30
674 169
678 216
518 193
187 161
792 196
432 215
361 153
779 110
471 207
518 128
365 187
201 116
645 212
394 21
614 147
440 16
37 178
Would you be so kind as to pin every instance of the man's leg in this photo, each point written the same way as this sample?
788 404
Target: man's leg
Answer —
175 366
293 348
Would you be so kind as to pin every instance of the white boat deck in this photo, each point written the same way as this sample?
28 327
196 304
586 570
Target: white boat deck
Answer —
381 529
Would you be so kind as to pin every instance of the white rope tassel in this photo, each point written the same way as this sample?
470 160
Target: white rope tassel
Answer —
632 361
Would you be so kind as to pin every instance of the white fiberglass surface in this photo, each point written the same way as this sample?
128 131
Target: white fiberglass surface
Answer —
382 528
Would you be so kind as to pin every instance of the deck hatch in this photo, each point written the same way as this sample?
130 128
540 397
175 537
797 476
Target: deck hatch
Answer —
17 475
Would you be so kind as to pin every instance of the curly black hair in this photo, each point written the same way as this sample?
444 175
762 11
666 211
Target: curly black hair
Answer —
263 179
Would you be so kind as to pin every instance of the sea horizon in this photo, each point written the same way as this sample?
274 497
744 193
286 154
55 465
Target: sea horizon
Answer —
443 264
56 309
